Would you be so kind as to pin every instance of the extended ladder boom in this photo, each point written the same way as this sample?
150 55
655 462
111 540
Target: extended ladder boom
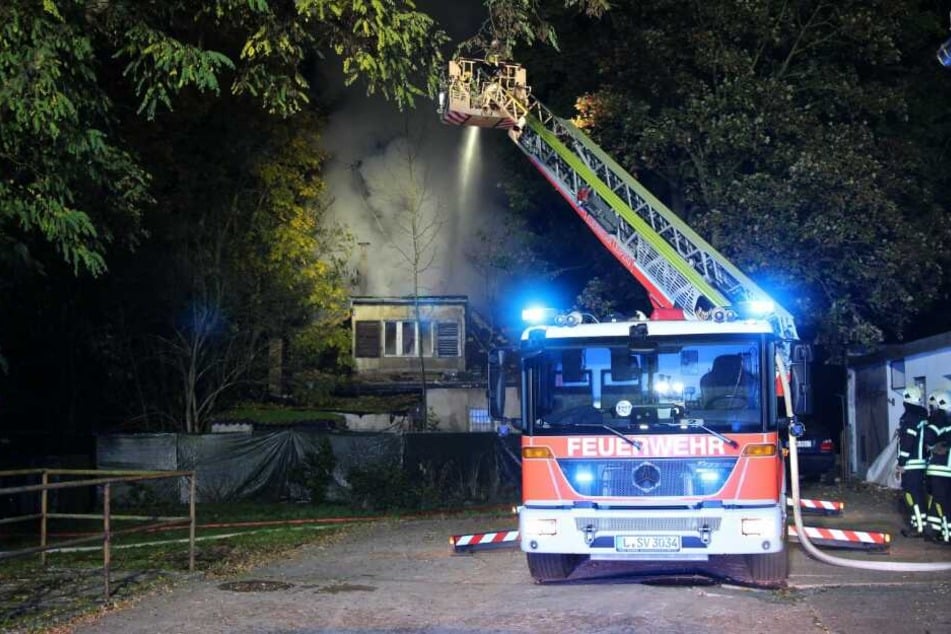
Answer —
678 268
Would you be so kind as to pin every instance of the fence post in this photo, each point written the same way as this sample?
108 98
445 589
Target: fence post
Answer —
106 538
43 512
191 531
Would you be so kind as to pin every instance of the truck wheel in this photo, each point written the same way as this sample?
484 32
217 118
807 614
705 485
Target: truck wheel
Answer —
552 567
769 569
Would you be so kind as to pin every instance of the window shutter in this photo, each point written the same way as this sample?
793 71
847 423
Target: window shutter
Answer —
447 339
367 340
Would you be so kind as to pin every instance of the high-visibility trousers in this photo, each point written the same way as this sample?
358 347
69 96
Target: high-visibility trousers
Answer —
938 524
915 498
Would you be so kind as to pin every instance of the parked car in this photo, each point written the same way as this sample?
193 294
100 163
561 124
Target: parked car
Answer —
817 452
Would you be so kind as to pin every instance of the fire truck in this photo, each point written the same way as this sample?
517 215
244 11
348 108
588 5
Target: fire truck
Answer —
655 440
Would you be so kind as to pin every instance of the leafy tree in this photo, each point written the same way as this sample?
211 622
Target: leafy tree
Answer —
64 171
67 168
783 134
504 257
110 152
513 23
241 253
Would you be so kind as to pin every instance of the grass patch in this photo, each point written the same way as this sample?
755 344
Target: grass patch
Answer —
328 411
265 415
230 540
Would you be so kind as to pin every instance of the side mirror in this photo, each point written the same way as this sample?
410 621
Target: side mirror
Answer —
801 384
496 384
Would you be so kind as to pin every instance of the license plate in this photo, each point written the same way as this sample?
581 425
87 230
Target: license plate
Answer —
804 443
648 543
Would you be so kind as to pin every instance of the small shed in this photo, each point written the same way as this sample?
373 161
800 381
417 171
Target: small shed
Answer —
389 333
875 384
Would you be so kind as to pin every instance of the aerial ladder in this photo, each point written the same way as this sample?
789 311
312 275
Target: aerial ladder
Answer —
682 273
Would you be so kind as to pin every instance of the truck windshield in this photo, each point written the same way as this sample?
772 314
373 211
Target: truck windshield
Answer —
714 385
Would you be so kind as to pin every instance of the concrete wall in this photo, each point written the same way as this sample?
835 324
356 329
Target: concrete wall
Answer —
452 406
368 422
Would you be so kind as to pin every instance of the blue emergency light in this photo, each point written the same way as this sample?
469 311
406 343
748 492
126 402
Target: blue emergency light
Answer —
538 315
944 53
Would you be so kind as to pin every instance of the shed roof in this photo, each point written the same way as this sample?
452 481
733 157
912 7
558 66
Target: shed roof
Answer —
891 352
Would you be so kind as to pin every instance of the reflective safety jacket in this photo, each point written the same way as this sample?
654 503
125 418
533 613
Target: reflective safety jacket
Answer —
912 450
938 440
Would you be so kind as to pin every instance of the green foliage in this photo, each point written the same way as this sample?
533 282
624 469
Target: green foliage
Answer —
161 66
523 22
439 483
66 174
595 298
782 134
247 256
70 179
313 387
277 414
380 486
315 474
262 46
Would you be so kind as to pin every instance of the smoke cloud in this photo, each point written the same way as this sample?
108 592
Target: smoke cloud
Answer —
387 166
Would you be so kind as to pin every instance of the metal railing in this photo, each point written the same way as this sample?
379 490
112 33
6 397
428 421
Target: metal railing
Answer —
106 480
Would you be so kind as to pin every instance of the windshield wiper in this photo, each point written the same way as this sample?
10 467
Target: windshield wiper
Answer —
635 443
698 422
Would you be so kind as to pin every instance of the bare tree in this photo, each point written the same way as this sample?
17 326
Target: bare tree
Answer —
209 357
410 216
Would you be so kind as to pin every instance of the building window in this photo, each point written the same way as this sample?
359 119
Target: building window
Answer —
407 344
447 339
367 340
391 338
400 338
479 419
426 337
897 372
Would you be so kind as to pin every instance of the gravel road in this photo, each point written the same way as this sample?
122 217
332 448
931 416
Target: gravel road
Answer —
401 576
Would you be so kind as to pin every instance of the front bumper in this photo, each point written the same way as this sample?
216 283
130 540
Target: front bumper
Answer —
652 534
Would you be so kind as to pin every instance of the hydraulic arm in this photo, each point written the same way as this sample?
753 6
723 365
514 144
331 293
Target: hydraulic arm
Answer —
677 267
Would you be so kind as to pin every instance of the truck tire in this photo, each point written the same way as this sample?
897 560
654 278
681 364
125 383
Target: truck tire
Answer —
769 569
552 567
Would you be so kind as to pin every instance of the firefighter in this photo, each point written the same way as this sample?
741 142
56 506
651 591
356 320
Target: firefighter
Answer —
912 460
938 471
584 192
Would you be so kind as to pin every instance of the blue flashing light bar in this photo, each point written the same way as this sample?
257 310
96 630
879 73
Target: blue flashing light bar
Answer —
538 315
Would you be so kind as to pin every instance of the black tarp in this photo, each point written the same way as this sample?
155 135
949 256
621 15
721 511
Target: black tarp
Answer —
233 466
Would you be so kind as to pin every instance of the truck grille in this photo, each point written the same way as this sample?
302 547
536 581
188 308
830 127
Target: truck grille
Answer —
648 477
633 524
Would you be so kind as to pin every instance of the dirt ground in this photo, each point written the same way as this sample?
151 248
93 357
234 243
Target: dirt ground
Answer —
403 577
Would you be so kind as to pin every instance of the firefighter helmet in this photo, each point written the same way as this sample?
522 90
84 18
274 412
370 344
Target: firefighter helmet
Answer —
940 400
913 395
